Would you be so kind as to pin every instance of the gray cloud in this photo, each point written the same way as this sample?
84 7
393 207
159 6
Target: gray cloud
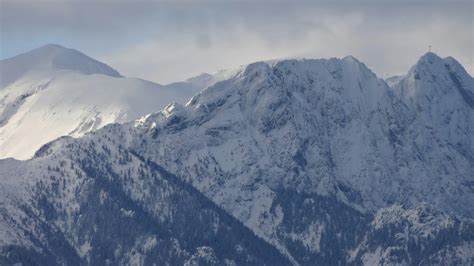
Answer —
167 41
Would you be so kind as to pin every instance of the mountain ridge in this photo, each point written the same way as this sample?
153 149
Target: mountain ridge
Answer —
296 150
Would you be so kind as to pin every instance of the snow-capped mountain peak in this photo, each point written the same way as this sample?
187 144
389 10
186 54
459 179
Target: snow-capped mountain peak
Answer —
427 67
436 84
52 57
431 68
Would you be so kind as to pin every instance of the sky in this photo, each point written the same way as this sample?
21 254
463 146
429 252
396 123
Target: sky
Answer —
166 41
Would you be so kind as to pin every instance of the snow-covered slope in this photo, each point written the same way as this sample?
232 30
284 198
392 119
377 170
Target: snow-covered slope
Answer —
54 91
320 158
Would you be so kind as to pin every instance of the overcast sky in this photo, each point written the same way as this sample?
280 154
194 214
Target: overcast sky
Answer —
170 41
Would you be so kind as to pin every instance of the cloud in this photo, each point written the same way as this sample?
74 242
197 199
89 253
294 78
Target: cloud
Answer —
168 41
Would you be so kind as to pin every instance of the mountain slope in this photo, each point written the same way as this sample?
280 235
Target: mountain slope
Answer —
94 202
54 91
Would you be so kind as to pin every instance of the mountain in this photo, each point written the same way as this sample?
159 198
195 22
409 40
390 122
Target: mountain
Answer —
323 133
58 91
319 158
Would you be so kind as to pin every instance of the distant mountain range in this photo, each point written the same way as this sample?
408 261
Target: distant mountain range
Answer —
290 162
